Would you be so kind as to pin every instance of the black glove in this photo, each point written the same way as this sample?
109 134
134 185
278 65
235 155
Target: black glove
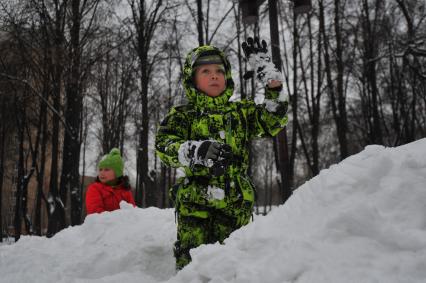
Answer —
253 48
204 153
214 155
225 158
259 59
208 150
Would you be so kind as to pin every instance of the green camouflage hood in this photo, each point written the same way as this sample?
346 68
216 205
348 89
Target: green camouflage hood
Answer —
196 97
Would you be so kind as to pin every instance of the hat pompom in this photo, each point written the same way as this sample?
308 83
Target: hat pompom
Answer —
115 151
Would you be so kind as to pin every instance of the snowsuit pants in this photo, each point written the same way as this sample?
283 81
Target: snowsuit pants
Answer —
203 219
193 232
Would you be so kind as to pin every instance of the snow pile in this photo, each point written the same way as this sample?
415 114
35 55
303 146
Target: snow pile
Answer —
128 245
363 220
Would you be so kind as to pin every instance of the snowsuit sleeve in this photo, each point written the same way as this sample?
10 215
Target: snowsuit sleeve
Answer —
94 201
173 131
269 118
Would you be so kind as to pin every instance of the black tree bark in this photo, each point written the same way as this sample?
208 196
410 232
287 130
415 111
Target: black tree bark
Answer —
70 179
281 141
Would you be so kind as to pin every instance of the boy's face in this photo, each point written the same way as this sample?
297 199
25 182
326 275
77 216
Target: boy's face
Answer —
106 175
210 79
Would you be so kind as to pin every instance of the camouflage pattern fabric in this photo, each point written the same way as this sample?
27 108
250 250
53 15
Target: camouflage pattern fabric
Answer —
200 197
193 232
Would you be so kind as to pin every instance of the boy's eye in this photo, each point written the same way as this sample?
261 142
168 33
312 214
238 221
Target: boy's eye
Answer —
205 71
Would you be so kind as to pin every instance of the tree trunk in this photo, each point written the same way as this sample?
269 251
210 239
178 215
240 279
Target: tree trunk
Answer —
70 178
341 96
147 190
200 22
294 101
2 149
240 61
370 53
40 176
340 123
316 102
281 143
145 25
21 117
56 206
415 68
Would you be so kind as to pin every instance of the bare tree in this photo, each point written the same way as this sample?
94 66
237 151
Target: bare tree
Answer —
2 148
281 142
115 84
73 110
312 99
145 21
370 49
337 100
410 81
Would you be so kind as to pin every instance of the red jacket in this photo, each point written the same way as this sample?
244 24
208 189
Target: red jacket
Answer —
102 197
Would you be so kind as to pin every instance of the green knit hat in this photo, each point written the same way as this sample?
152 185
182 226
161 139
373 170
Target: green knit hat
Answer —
113 161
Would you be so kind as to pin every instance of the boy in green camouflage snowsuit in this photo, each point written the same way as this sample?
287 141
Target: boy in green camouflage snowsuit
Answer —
208 137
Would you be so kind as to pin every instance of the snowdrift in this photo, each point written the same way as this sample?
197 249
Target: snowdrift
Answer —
363 220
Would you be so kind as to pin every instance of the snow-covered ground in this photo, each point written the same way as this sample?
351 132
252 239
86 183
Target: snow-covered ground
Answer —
363 220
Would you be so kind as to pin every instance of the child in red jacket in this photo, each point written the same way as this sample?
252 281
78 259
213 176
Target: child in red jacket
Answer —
111 187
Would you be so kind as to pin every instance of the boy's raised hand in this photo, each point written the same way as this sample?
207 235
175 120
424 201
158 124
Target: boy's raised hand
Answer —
259 59
253 46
